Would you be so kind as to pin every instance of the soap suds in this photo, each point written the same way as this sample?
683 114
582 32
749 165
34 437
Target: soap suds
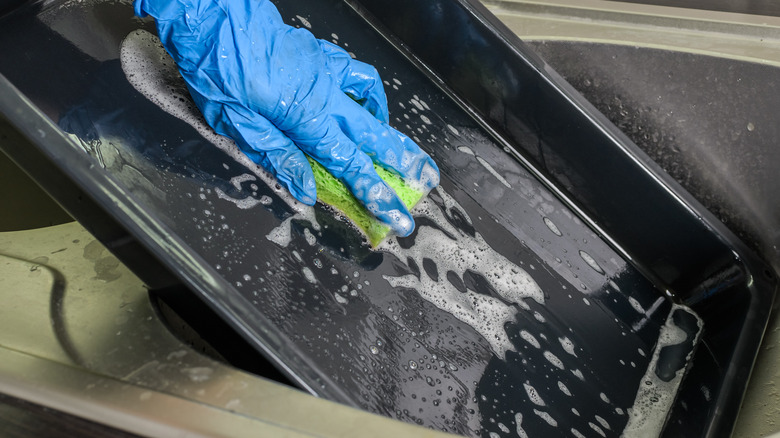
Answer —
591 262
551 225
459 254
533 395
553 359
530 338
546 417
237 180
244 204
564 389
568 345
282 234
655 396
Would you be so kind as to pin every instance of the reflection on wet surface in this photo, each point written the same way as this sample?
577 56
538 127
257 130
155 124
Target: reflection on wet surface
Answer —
502 313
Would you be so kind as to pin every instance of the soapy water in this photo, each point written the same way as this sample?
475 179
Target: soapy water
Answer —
521 433
533 395
245 203
553 359
564 389
546 417
530 339
568 345
603 422
655 396
597 429
455 251
551 225
591 262
151 71
282 234
451 250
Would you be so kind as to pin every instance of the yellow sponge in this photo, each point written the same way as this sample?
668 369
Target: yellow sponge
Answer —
333 192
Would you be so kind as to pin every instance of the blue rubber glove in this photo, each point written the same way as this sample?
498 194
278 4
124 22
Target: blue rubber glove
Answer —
279 92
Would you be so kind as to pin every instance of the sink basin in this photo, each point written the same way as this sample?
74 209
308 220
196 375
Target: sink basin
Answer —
710 122
25 205
590 290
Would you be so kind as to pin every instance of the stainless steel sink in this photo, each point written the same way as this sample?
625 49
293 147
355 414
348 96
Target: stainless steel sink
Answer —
104 342
698 91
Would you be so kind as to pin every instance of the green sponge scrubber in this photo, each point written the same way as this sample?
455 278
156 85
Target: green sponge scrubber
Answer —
333 192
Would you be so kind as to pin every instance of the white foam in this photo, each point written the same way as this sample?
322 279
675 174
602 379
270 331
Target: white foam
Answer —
533 395
519 423
546 417
309 275
568 345
597 429
551 225
553 359
304 21
603 422
591 262
237 180
655 397
310 238
485 314
635 304
244 204
530 338
466 150
564 389
282 234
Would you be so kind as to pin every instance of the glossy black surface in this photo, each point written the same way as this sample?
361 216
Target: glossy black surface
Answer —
348 335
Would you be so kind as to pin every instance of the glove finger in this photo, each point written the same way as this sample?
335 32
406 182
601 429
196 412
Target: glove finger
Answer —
325 142
386 146
358 79
267 146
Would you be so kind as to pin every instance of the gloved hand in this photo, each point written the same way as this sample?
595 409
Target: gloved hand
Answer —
278 92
